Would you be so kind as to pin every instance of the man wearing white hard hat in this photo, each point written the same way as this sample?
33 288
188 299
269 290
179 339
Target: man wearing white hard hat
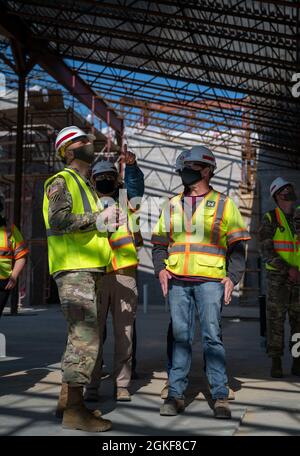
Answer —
78 255
193 245
279 248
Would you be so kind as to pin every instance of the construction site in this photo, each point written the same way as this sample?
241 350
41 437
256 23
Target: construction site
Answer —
159 77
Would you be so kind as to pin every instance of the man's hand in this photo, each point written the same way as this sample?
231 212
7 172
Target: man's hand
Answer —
128 157
228 289
294 275
110 219
164 277
11 283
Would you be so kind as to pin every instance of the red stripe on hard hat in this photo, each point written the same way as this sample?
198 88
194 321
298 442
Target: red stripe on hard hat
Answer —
207 157
69 135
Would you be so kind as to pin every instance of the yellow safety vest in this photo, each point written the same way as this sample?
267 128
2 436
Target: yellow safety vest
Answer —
123 243
12 248
80 249
284 241
200 252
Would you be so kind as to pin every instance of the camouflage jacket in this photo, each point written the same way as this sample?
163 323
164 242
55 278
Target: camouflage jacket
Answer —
60 208
266 233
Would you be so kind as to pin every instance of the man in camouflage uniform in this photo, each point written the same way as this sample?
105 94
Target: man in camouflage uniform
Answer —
278 242
77 271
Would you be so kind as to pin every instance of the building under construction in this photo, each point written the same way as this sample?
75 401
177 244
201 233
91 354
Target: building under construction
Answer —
158 76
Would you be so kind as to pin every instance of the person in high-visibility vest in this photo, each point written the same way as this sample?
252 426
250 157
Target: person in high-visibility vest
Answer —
280 252
199 255
78 255
119 292
13 255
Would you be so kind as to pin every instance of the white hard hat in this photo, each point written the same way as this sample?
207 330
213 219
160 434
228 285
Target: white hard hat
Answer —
200 154
66 136
179 161
277 184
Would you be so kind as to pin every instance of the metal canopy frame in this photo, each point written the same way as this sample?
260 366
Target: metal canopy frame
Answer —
194 65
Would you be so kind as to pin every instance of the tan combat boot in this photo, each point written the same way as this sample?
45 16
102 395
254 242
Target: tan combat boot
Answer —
62 403
221 409
77 416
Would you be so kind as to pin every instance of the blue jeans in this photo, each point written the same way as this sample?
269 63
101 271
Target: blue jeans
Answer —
207 298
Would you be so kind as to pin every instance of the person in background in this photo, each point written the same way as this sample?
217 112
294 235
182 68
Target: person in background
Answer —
199 256
78 253
119 292
280 252
13 256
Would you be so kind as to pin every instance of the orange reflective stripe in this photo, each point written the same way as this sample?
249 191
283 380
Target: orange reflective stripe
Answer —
218 217
277 213
237 235
187 249
207 249
214 218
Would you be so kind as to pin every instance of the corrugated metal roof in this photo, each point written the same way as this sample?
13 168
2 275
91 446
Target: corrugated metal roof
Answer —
236 49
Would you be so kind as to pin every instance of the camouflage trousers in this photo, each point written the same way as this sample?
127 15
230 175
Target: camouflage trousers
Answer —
282 298
79 294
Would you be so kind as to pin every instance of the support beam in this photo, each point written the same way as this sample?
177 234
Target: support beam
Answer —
14 29
57 68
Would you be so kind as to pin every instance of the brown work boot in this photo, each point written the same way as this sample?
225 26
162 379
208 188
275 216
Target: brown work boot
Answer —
221 409
172 406
276 369
165 390
77 416
122 394
296 367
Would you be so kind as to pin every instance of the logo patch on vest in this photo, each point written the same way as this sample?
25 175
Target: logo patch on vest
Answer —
210 204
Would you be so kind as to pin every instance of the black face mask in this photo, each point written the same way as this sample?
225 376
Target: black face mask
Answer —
190 176
290 196
85 153
106 186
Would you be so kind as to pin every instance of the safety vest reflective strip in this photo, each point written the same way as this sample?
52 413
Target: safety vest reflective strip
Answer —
198 248
215 229
284 246
236 235
121 241
87 207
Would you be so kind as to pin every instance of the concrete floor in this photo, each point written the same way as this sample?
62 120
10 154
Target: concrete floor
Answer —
30 379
